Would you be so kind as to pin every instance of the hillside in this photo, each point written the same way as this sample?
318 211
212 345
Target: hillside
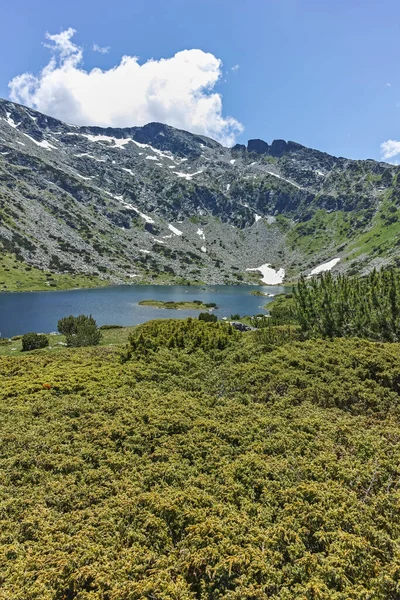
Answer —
218 472
157 204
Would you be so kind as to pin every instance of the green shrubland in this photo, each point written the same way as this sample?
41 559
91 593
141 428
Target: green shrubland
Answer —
367 307
201 469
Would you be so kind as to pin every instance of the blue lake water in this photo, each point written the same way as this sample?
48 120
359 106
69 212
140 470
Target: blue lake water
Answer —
39 311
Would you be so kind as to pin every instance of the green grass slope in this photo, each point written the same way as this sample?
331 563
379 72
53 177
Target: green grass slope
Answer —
190 474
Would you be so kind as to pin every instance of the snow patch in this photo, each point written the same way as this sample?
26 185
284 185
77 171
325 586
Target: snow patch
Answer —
328 266
148 157
257 218
233 161
131 207
144 251
118 142
283 179
43 144
203 249
11 121
269 275
83 154
174 230
200 232
82 177
228 187
187 176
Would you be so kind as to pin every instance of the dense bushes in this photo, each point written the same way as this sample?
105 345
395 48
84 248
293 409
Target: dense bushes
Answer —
367 307
189 335
79 331
208 317
34 341
178 476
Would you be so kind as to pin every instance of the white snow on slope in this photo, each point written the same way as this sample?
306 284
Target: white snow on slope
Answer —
174 230
11 121
89 156
136 210
128 171
145 251
118 142
130 206
283 179
200 232
42 144
82 176
203 249
269 275
257 217
148 157
228 185
187 176
325 266
233 161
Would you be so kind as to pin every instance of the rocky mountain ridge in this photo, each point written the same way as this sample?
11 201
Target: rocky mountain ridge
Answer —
155 203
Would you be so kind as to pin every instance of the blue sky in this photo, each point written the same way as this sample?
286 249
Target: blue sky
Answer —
323 73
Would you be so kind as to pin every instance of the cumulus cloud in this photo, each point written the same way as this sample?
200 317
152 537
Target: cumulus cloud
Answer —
178 91
101 49
390 148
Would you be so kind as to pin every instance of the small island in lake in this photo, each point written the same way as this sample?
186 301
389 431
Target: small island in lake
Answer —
258 293
182 305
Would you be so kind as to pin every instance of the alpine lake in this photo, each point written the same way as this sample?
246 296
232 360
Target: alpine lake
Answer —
23 312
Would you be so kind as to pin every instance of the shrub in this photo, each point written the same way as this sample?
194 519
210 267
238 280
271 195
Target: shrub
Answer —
190 335
207 317
79 331
34 341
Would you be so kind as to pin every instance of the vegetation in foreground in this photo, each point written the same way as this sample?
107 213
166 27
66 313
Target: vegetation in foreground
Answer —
201 472
179 305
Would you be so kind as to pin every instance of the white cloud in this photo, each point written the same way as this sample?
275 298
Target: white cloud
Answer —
235 68
390 148
388 84
176 90
101 49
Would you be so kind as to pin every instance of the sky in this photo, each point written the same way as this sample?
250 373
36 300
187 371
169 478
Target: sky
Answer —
324 73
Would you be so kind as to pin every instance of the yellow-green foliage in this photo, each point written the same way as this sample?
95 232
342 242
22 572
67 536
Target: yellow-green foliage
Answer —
178 476
189 334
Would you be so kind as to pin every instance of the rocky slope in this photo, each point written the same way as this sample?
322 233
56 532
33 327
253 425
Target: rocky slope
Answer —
155 203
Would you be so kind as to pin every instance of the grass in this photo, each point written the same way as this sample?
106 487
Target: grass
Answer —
182 305
16 276
110 337
379 239
321 231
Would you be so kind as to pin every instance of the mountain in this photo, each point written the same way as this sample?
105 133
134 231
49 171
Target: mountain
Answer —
157 204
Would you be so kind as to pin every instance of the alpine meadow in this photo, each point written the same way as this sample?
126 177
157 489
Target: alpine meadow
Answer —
200 329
